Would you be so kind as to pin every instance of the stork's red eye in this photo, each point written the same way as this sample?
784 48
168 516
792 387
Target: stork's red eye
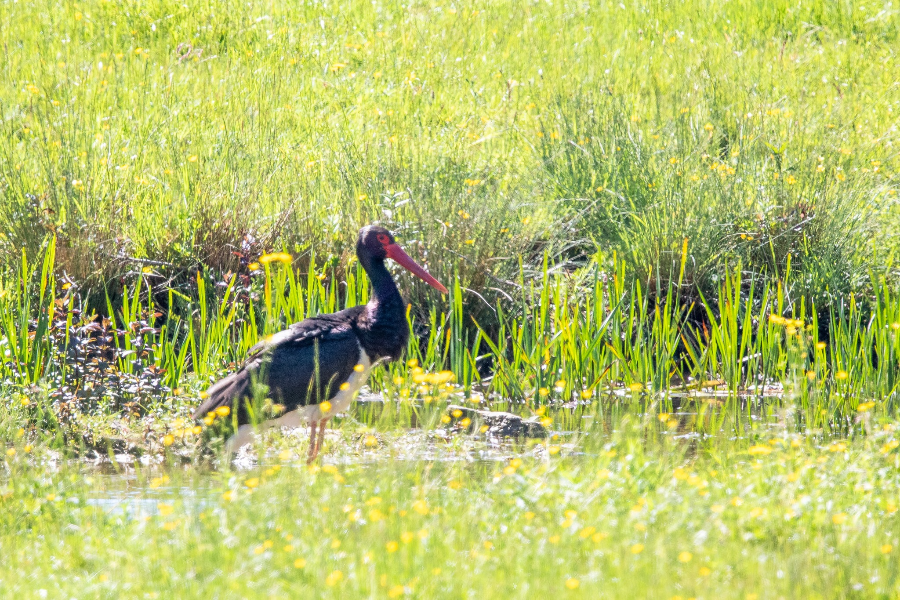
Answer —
385 240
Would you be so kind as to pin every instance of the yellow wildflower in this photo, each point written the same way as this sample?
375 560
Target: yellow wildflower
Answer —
282 257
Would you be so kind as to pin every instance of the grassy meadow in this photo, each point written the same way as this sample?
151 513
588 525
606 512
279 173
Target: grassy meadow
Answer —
668 231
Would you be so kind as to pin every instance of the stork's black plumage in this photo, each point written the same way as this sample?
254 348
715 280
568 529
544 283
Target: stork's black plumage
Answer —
324 358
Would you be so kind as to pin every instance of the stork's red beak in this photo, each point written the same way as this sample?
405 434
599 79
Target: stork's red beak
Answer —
396 253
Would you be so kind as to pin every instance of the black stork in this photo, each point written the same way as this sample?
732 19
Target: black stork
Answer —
314 368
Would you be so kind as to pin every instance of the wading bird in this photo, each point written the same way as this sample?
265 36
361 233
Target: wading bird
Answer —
314 368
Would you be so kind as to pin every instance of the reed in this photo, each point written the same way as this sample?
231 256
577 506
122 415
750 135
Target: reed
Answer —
583 338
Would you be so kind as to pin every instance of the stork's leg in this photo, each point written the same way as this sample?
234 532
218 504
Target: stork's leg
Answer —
312 443
321 437
315 442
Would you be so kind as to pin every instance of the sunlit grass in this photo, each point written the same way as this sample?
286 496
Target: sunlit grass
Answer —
171 132
560 343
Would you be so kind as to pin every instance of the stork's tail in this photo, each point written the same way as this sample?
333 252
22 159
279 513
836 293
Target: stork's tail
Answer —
225 392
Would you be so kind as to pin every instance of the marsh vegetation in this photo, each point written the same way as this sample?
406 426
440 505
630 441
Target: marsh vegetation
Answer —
668 234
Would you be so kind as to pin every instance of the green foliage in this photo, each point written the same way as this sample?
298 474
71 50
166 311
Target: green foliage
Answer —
587 337
762 133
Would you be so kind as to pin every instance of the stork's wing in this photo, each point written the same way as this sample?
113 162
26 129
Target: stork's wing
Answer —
304 364
307 331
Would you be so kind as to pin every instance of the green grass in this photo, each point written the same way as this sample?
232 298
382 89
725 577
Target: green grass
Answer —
761 132
782 485
668 233
560 341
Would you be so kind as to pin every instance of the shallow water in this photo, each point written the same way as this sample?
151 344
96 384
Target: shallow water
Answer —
692 419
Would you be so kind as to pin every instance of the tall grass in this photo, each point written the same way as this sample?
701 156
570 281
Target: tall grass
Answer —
763 133
654 220
589 337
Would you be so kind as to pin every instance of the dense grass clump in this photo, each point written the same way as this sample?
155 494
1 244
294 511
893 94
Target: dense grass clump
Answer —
561 340
762 133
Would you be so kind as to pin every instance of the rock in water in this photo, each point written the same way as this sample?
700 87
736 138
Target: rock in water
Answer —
500 423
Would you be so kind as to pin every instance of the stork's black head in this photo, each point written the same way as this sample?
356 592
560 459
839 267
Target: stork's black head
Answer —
375 243
372 243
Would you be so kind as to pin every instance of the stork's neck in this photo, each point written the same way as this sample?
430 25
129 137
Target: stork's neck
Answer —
384 289
383 330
